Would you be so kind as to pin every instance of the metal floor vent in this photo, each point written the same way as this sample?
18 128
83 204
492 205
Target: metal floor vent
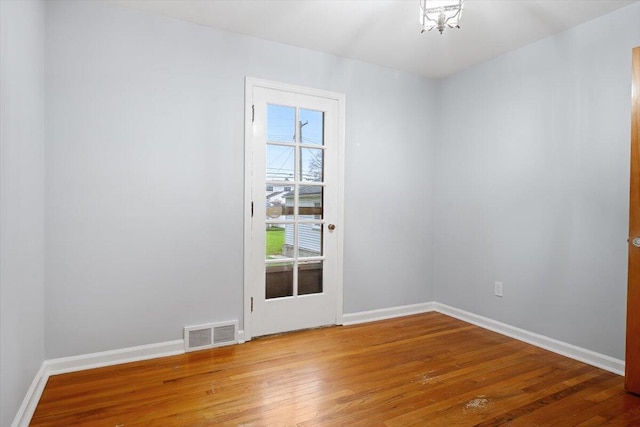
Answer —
211 335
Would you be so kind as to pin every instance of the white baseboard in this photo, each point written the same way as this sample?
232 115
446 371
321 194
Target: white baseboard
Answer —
589 357
31 399
65 365
386 313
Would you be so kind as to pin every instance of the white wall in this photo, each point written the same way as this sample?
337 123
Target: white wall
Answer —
144 175
532 183
21 200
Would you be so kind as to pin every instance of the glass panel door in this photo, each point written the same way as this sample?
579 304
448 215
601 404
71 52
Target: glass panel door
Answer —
292 246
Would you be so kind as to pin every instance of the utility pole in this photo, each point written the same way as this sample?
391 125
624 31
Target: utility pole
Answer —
301 125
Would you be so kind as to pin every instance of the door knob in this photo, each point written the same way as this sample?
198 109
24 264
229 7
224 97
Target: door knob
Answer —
332 227
636 242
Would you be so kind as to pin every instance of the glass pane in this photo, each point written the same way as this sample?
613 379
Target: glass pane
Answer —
280 162
279 203
309 240
310 278
279 280
276 246
289 233
312 164
281 123
311 127
310 202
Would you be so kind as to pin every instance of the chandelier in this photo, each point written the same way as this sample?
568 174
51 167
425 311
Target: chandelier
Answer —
440 14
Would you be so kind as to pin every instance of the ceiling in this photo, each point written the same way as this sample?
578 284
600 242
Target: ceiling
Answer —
387 32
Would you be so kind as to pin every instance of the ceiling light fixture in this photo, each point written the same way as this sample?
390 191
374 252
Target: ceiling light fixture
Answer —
440 14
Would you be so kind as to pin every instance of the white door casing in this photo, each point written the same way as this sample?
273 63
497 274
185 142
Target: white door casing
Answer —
300 308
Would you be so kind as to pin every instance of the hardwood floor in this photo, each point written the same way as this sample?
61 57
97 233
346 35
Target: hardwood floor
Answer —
427 369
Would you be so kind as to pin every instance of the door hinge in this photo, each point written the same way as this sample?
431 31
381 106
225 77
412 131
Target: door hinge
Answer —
252 304
253 113
251 209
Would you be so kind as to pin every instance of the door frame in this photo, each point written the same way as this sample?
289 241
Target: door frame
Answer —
632 349
250 84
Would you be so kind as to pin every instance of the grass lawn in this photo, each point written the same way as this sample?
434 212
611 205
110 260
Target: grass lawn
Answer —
275 241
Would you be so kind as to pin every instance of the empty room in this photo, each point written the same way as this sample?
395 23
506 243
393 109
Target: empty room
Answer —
331 213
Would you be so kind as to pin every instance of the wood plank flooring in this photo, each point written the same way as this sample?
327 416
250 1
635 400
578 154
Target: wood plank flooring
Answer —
422 370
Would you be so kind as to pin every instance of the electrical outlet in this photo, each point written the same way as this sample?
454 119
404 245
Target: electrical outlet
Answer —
497 289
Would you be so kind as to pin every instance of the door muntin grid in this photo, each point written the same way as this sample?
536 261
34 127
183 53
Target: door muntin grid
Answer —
295 188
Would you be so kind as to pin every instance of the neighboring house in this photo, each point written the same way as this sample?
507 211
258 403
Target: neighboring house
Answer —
310 235
275 193
275 198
